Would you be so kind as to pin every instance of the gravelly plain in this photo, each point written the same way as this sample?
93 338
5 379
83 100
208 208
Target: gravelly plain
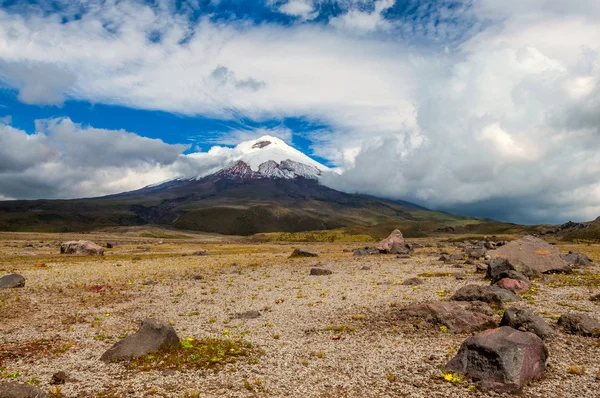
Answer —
377 354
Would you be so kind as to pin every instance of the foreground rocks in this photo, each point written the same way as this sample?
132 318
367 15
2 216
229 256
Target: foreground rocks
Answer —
531 256
487 294
524 319
83 247
393 244
150 337
502 359
457 317
580 324
577 260
514 285
303 253
12 281
12 389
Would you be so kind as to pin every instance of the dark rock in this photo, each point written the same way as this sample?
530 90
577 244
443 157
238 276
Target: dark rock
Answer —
457 317
248 315
577 260
303 253
477 253
84 247
513 285
512 275
412 282
580 324
392 243
58 378
12 281
12 389
524 319
200 253
502 359
459 276
150 337
532 256
445 258
487 294
469 261
595 298
498 266
109 245
320 271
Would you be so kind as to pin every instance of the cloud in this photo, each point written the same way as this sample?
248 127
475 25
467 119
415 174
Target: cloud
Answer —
304 9
464 106
6 119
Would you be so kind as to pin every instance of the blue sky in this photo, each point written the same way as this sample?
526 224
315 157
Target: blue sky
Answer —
463 106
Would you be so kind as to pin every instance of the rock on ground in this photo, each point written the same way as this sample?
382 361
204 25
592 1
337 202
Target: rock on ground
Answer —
532 256
516 275
580 324
393 244
303 253
12 281
498 267
12 389
503 359
320 271
457 317
524 319
577 260
412 282
150 337
81 247
514 285
487 294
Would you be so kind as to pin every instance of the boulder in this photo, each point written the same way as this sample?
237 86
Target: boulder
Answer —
392 243
577 260
524 319
580 324
477 252
532 256
496 267
512 275
412 282
11 281
514 285
502 359
320 271
150 337
303 253
84 247
457 317
487 294
12 389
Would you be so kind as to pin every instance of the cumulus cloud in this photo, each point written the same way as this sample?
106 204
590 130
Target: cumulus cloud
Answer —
495 114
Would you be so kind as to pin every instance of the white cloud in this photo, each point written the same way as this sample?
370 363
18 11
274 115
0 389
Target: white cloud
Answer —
507 117
299 8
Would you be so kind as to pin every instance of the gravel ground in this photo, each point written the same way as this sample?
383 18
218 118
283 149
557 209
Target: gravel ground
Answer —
376 356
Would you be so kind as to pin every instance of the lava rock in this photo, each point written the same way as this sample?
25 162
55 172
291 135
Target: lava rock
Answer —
320 271
412 282
502 359
579 324
513 285
248 315
150 337
487 294
512 275
200 253
12 389
12 281
577 260
498 266
524 319
303 253
58 378
457 317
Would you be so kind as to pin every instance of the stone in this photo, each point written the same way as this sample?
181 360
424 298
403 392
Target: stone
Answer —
487 294
496 267
150 337
481 267
12 389
477 252
532 256
200 253
365 268
412 282
512 275
83 247
320 271
109 245
513 285
252 314
445 258
303 253
524 319
595 298
12 281
502 359
457 257
577 260
392 243
58 378
579 324
457 317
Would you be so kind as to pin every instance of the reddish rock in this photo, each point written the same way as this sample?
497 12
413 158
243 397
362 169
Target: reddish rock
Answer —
503 359
81 247
457 317
392 244
532 256
513 285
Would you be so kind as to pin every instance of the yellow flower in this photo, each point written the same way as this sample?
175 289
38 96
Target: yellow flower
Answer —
448 377
107 314
190 339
